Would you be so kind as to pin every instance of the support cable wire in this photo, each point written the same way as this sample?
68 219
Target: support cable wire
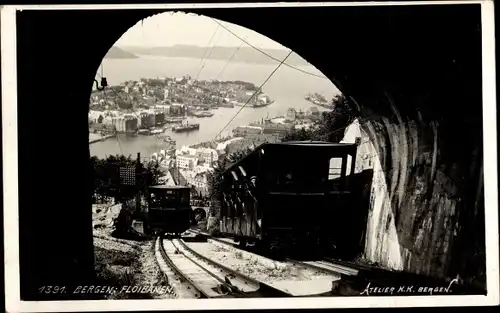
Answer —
267 54
229 61
328 133
206 58
205 53
258 90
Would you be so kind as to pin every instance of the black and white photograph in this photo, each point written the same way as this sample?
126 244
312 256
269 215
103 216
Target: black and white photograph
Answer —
249 155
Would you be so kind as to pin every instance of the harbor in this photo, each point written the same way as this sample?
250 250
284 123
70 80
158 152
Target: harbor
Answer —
286 91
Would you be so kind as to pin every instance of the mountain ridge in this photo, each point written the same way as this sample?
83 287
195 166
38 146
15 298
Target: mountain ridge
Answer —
118 53
243 54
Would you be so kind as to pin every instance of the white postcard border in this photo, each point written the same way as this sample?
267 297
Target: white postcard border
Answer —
10 166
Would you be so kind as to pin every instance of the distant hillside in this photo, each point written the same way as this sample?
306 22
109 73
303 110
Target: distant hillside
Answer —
244 55
117 53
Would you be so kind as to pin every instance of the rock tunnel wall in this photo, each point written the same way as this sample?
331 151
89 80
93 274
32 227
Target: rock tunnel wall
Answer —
421 218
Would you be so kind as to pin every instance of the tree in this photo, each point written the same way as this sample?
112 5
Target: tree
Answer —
214 183
215 178
124 105
106 174
331 126
155 173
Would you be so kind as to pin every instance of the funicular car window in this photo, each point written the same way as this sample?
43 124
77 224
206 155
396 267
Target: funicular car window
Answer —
183 196
338 172
335 168
166 198
307 172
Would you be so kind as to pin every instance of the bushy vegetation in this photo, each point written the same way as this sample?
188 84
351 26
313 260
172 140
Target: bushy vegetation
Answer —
106 177
331 126
215 178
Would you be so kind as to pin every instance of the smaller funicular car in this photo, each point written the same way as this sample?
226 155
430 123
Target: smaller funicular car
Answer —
169 210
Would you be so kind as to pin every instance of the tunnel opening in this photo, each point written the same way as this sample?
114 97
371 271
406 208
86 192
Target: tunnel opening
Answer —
351 249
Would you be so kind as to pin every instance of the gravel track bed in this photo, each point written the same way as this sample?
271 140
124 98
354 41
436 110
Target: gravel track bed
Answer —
123 263
150 274
297 280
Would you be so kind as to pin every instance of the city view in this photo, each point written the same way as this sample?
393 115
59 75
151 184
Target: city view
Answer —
329 154
180 115
215 107
223 164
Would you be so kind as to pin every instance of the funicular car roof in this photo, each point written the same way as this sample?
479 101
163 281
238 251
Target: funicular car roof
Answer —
340 148
165 188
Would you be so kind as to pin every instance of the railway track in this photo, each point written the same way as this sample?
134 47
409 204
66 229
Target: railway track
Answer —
326 265
206 278
349 274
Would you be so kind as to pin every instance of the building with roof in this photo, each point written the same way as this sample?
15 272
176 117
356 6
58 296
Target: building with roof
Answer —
243 131
291 114
313 111
186 161
207 155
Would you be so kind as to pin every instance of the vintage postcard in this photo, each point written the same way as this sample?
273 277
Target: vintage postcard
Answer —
209 156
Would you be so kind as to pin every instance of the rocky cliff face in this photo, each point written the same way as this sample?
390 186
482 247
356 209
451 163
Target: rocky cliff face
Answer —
426 212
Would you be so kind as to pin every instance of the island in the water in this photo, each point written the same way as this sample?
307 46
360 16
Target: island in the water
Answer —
117 53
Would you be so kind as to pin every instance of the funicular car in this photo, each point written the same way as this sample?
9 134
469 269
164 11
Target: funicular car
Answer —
286 195
169 209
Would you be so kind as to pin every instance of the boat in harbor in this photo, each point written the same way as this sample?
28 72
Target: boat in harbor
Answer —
319 100
226 105
150 131
173 120
156 131
255 102
185 127
167 141
202 114
263 101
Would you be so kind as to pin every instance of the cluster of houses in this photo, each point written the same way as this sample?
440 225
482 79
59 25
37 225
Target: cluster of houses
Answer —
154 92
110 121
279 126
312 114
192 166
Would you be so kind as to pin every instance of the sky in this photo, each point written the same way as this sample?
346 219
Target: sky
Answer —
169 29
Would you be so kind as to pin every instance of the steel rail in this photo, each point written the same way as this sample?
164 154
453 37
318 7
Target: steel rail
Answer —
263 287
234 245
341 268
336 270
233 289
158 242
201 293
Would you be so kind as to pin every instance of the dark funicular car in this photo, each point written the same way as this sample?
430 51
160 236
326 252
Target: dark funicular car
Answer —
290 195
169 209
